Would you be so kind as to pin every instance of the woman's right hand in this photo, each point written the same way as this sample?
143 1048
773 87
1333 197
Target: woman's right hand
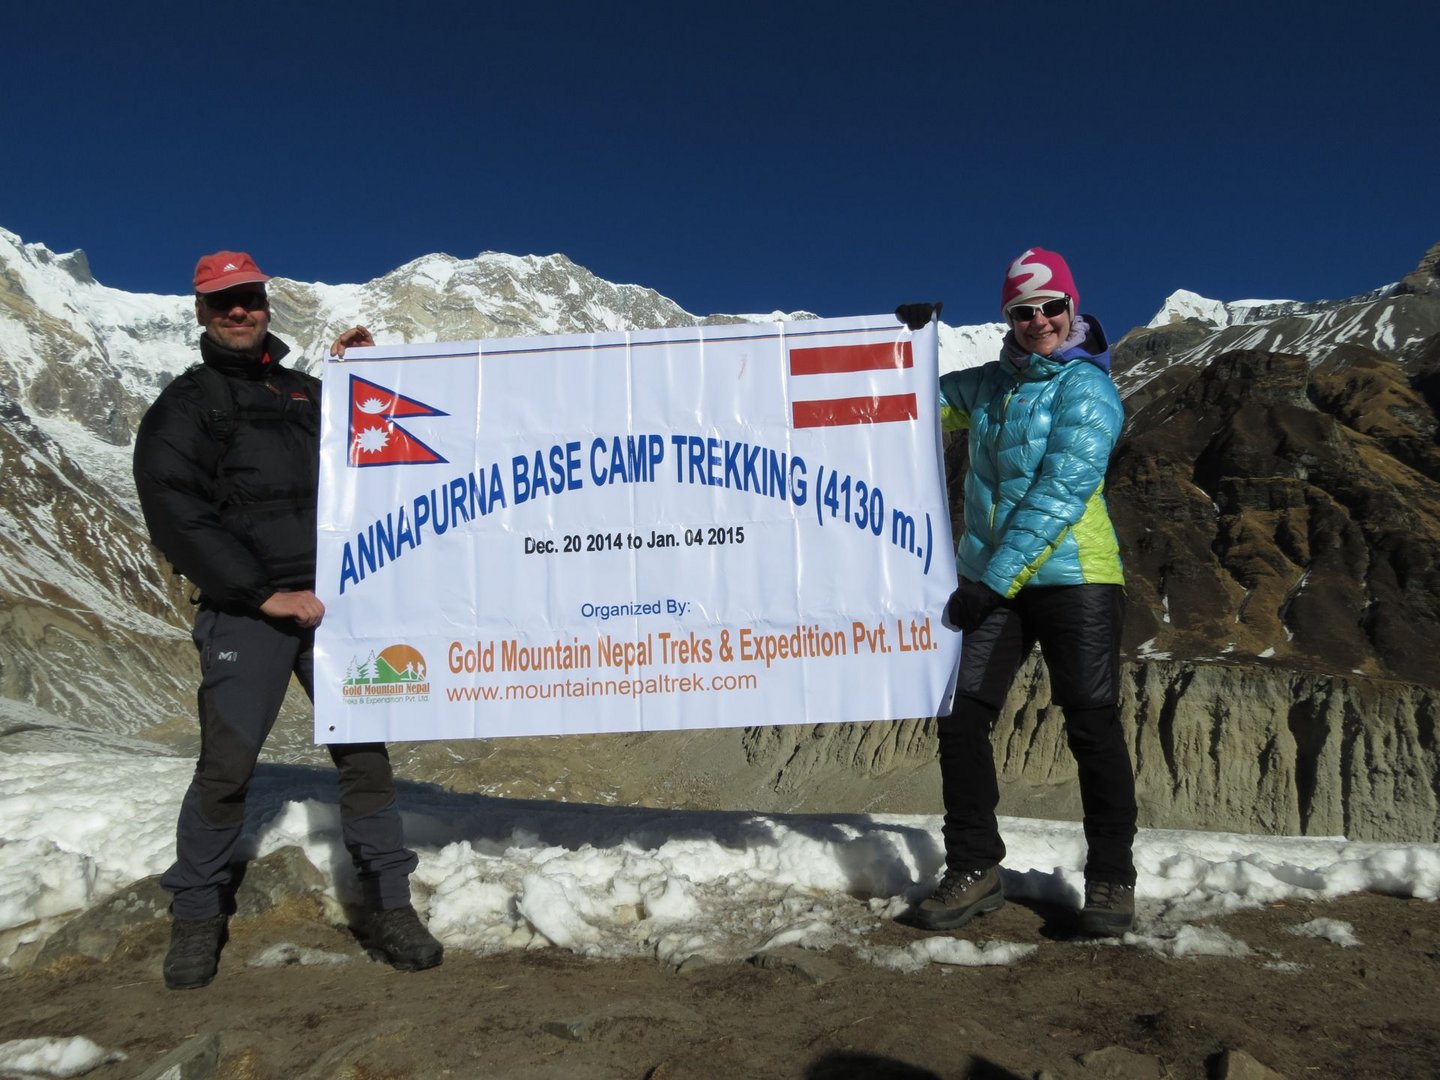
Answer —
918 316
970 605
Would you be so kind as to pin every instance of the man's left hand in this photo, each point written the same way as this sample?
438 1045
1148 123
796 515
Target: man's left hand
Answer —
356 336
302 605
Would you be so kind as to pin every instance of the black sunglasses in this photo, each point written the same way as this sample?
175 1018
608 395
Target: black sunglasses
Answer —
1050 309
249 299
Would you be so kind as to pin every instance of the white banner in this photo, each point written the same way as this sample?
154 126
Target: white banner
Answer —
704 527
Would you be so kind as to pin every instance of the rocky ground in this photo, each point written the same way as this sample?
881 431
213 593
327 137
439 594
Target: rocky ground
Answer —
1298 1005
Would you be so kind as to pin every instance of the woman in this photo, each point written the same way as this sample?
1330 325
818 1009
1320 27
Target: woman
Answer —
1038 561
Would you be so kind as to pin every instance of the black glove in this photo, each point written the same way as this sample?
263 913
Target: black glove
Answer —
917 316
970 604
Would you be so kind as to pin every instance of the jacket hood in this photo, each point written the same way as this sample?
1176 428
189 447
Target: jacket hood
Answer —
1092 346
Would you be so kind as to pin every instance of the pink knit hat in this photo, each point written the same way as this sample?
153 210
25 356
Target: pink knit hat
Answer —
1038 274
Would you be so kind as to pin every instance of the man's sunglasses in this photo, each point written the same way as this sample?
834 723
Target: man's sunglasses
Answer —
1050 309
249 299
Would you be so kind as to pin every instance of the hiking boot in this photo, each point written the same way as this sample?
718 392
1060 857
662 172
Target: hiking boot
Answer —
194 954
401 939
960 896
1109 909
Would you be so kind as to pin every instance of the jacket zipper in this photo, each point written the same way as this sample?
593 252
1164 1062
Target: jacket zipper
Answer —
999 432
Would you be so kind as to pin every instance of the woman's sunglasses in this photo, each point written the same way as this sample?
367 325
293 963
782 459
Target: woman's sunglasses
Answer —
1050 309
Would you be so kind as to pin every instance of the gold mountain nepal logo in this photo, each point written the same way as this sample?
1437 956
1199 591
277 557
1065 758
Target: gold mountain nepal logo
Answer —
397 673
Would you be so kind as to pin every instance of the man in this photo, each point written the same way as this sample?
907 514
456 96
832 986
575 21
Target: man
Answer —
226 465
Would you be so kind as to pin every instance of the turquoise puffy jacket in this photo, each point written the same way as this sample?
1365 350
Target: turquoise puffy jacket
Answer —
1040 442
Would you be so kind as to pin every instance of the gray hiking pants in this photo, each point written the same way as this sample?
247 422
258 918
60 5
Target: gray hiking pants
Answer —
246 662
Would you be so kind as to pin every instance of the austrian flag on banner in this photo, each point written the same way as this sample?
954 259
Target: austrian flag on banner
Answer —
375 438
865 409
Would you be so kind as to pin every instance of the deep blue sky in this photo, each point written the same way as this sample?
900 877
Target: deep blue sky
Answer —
839 157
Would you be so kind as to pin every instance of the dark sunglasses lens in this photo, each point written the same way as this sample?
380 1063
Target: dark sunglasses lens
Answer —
250 300
1050 309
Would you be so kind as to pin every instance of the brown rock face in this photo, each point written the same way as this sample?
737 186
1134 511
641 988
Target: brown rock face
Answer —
1426 276
1285 506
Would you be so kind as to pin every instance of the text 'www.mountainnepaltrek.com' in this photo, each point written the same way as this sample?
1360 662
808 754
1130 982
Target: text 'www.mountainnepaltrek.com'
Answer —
590 688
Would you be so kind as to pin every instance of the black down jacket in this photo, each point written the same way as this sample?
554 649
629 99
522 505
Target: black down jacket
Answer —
229 497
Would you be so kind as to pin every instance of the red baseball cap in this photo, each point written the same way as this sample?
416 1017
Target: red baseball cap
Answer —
226 269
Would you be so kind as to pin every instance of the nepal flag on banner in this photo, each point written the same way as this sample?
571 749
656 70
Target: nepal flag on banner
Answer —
375 437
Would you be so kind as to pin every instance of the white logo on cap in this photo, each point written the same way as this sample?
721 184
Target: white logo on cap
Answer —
1038 273
229 266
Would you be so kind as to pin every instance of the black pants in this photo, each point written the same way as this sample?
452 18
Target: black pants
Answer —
1078 628
246 662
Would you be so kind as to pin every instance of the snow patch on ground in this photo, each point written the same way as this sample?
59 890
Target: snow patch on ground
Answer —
1341 933
54 1057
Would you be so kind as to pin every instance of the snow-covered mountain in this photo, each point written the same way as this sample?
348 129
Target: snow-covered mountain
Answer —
82 361
1190 330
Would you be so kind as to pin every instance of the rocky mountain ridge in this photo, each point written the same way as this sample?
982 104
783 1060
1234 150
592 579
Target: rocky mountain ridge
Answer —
1276 492
1278 485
